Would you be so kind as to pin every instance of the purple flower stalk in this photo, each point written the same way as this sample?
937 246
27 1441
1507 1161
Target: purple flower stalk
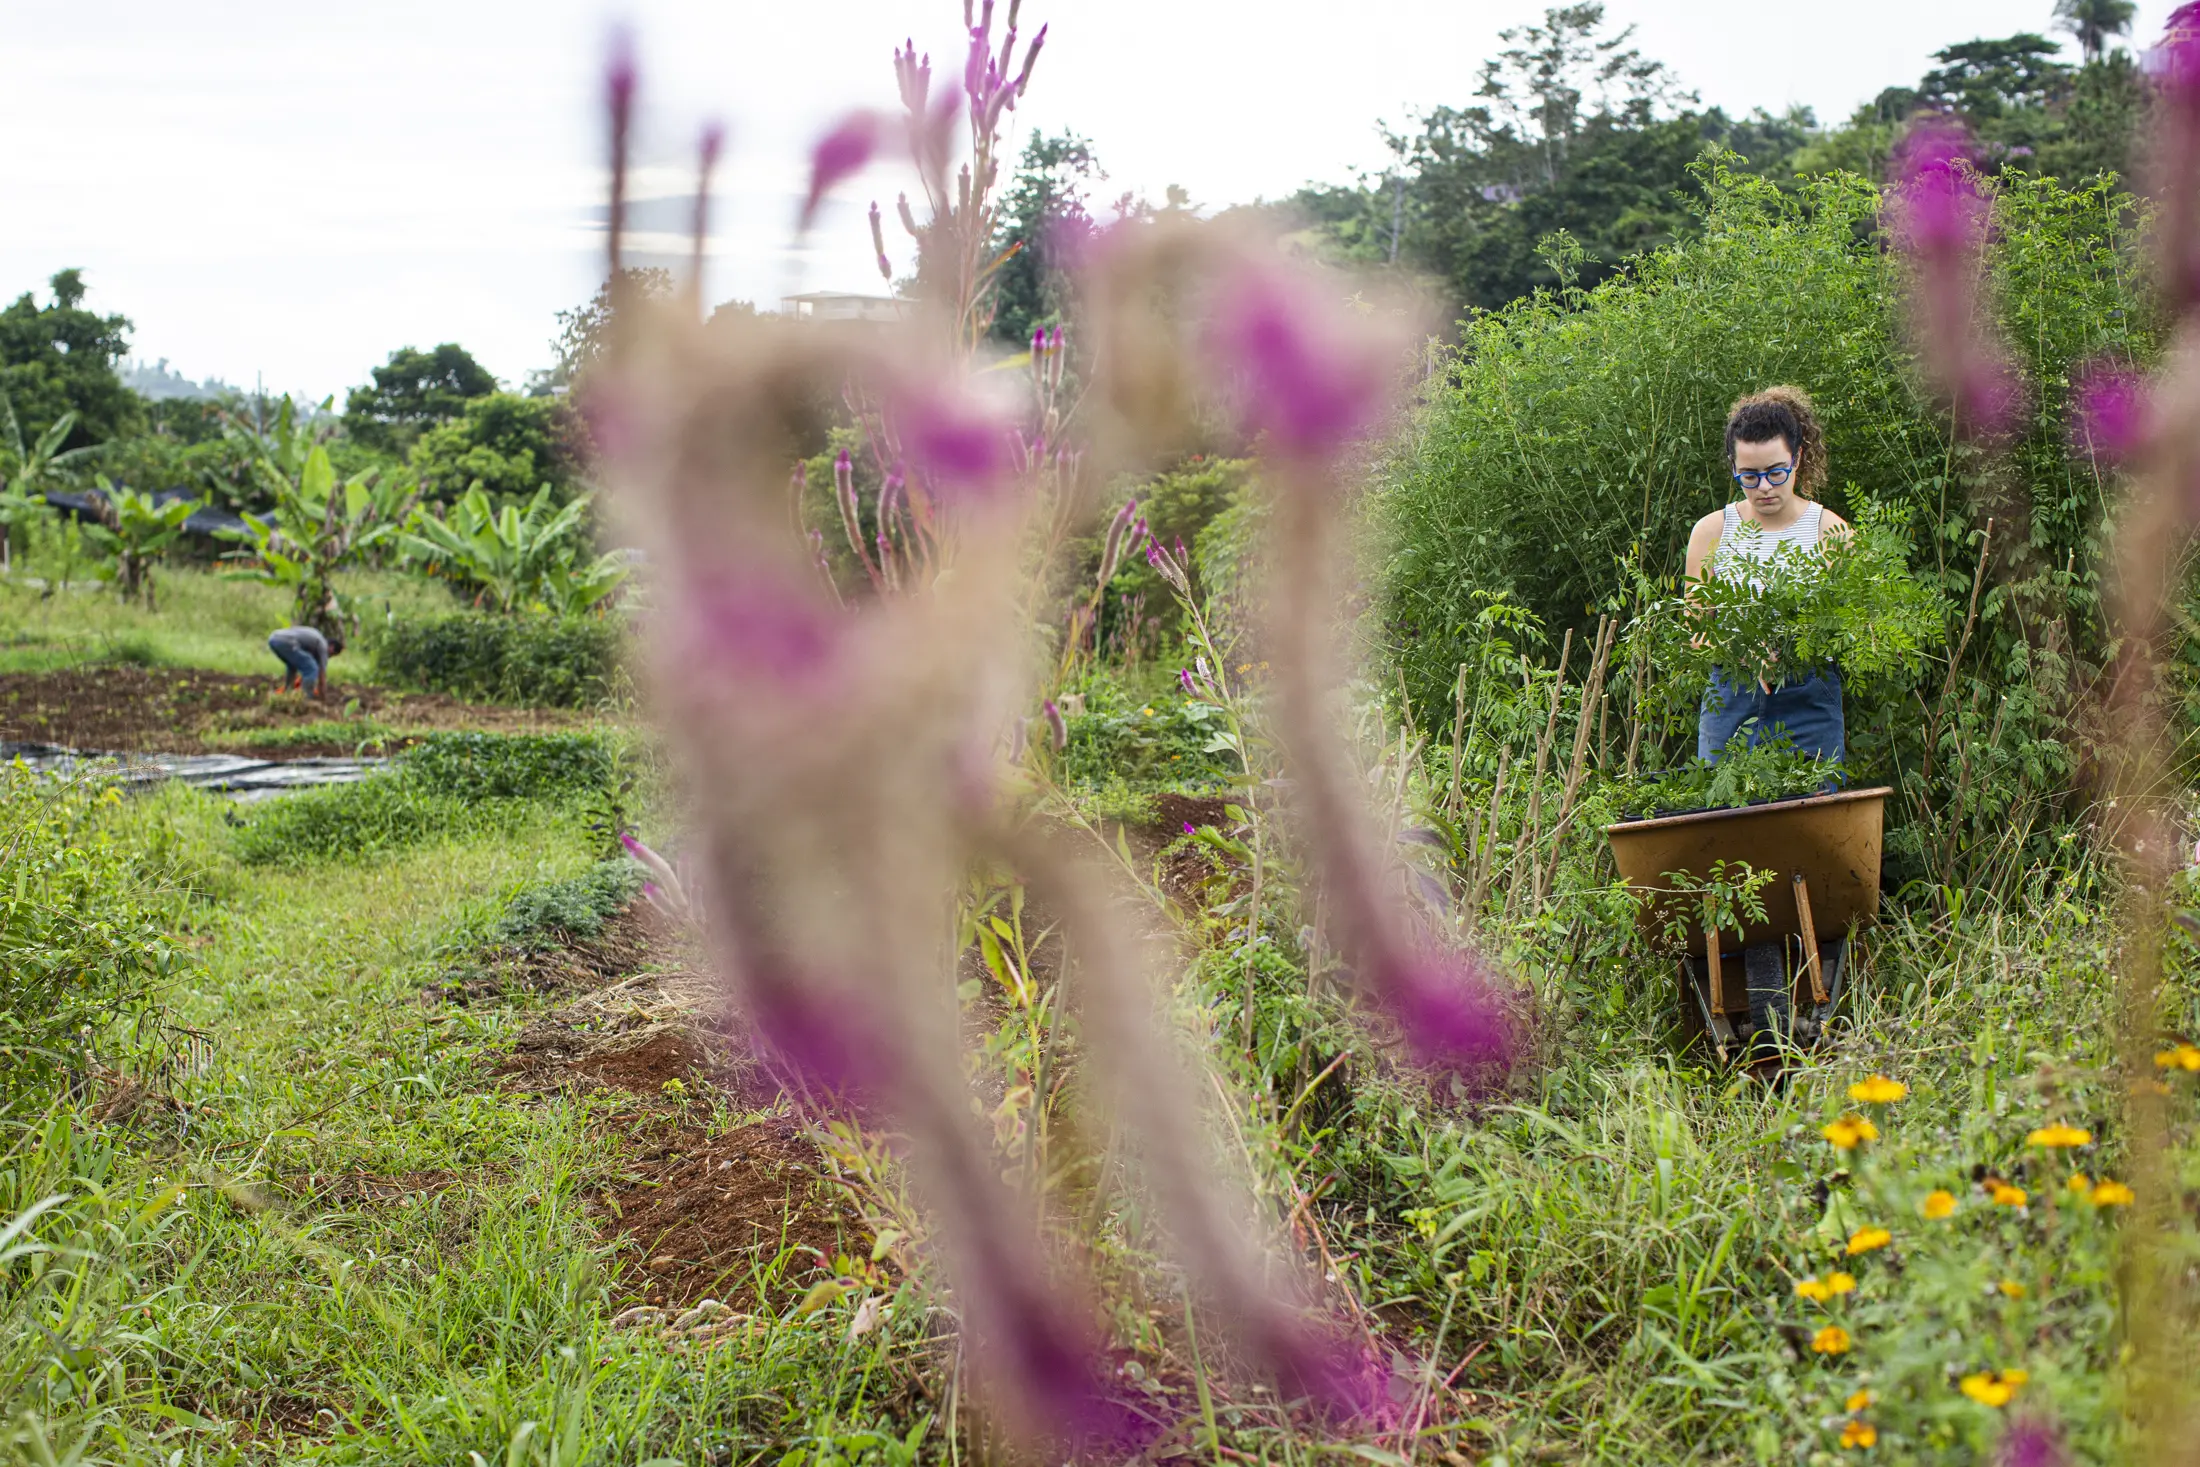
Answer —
620 80
1939 210
1056 726
840 153
2030 1442
2109 412
878 243
1302 380
952 444
1111 556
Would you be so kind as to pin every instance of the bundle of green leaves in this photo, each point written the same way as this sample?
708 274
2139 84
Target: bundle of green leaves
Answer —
1850 603
1773 770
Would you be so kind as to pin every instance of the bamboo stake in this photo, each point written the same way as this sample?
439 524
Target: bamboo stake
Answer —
1811 962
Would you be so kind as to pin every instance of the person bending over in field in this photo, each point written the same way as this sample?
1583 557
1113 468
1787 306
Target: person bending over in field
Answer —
1777 454
304 652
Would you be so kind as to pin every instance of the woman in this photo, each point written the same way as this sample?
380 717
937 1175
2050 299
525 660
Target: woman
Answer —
1777 454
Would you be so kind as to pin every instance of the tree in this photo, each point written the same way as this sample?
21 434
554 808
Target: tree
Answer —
412 393
27 470
516 559
61 359
583 330
1044 215
1985 79
505 444
317 526
2093 22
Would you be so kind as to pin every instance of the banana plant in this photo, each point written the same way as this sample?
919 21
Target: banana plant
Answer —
514 559
136 530
21 501
317 528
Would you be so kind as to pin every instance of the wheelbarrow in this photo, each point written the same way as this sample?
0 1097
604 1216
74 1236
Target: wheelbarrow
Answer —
1784 974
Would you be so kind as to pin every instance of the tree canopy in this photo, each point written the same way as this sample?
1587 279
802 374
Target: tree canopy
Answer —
412 392
60 358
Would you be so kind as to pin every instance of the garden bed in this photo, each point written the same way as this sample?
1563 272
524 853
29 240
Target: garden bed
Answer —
124 709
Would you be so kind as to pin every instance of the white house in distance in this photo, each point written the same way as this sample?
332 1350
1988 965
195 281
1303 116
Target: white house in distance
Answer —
841 305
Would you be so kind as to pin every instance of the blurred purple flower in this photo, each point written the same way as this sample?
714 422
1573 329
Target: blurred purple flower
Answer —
754 630
2108 412
1188 828
878 243
821 1037
1451 1013
1937 205
2030 1442
1056 728
1990 399
2175 62
1299 380
840 153
952 443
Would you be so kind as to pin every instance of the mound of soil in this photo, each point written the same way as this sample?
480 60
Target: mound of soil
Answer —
631 940
706 1213
170 710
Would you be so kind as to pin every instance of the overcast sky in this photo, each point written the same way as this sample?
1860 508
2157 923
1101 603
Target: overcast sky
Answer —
296 190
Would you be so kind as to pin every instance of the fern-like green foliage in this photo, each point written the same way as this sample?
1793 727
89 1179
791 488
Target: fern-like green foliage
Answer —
1773 770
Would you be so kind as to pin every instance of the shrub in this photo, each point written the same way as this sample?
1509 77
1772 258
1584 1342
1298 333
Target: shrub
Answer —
1160 741
542 661
510 766
80 946
576 907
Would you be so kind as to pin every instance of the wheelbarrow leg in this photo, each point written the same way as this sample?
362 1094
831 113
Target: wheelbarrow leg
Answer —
1722 1033
1811 959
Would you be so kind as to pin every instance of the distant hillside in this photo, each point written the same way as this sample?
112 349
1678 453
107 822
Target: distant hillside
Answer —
158 383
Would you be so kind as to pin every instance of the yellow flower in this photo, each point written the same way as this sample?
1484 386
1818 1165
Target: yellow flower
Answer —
2179 1057
1864 1240
2059 1135
1149 713
2079 1182
1832 1340
2012 1289
1813 1289
1992 1387
1245 667
2113 1194
1859 1434
1859 1401
1849 1130
2006 1195
1840 1283
1877 1090
1940 1203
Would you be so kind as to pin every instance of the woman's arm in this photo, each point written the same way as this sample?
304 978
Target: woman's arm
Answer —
1702 540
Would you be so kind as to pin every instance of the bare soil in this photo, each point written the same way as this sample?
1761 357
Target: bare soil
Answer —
631 940
194 711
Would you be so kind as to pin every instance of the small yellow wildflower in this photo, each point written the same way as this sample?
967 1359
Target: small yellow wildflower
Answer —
1832 1340
2079 1182
1860 1401
2006 1195
1940 1203
2059 1135
1992 1387
1860 1434
2184 1057
2010 1288
2113 1194
1245 667
1147 711
1813 1289
1865 1240
1848 1131
1877 1090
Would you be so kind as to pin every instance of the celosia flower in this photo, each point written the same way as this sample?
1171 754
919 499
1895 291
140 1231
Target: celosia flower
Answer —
1939 1203
1055 725
1937 206
1993 1387
1867 1240
1304 382
2059 1136
1859 1434
2113 1194
2175 63
838 155
2006 1194
1848 1132
878 243
953 442
2108 412
751 629
1877 1090
1832 1340
1860 1401
2184 1057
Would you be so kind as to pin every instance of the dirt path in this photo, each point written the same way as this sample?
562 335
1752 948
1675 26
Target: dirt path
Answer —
194 711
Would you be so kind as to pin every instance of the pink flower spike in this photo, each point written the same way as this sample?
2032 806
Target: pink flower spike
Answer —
2108 412
1937 205
1302 381
1452 1016
1056 726
1990 399
1188 828
839 154
953 444
2175 63
2030 1443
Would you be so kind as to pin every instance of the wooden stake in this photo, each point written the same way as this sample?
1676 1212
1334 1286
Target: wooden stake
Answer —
1811 962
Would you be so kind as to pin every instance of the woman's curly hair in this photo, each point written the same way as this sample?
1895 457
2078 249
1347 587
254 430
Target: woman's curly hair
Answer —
1782 412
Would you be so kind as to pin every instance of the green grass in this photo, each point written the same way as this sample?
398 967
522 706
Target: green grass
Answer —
202 620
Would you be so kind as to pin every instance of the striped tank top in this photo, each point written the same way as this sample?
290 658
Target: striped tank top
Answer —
1738 555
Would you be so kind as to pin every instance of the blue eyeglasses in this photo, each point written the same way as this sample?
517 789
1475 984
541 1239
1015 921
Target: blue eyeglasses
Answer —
1777 475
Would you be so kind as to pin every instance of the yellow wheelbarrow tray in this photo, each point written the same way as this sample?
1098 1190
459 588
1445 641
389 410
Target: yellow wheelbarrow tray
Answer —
1823 851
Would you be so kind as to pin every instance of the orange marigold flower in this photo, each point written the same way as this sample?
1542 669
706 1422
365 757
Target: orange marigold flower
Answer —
1940 1203
1864 1240
1813 1289
1832 1340
2012 1289
1859 1401
2184 1057
2006 1195
2113 1194
1840 1283
1992 1387
2059 1136
1849 1131
1877 1090
1859 1434
2079 1182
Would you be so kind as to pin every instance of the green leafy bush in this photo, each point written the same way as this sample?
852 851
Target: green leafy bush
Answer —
79 945
576 907
1773 770
540 661
1166 740
510 766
